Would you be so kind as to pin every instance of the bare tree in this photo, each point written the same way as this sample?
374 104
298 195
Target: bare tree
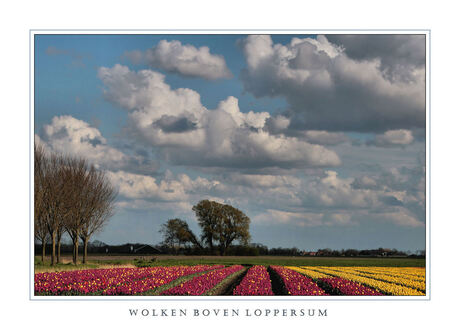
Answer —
75 174
89 197
40 228
70 196
53 186
100 204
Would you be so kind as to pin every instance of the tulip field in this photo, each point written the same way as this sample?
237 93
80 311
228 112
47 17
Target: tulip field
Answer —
236 280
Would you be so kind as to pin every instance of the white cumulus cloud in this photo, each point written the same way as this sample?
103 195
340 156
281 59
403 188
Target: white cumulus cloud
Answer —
68 135
187 60
188 133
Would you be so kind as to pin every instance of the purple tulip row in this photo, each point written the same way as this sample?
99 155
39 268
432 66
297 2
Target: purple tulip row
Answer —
349 288
201 284
255 283
297 284
95 280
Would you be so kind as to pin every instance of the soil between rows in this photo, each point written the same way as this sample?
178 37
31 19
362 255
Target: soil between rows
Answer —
278 287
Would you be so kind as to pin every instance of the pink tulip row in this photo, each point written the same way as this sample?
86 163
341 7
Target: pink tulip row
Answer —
297 284
93 280
165 276
201 284
349 288
255 283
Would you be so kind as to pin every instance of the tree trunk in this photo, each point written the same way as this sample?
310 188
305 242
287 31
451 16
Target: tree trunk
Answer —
75 249
53 247
85 249
43 250
58 257
211 246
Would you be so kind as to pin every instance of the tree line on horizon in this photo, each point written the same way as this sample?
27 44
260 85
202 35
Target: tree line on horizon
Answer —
70 196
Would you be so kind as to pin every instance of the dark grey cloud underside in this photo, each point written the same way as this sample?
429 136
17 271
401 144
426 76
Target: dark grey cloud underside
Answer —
350 104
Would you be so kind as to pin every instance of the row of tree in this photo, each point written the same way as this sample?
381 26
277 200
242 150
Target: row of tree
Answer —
70 195
220 224
367 253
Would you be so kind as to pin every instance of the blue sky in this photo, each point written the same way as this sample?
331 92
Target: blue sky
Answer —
320 140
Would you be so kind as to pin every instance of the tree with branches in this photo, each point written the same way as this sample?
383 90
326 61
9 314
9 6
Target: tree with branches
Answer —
72 196
221 223
176 232
100 203
40 229
90 198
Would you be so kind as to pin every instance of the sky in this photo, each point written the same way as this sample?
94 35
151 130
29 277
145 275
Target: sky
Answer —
319 139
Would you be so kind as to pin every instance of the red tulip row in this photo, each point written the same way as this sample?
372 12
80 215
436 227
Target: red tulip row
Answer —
201 284
95 280
255 283
297 284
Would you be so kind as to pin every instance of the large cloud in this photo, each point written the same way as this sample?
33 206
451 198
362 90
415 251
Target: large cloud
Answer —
399 54
66 134
329 90
332 200
69 135
190 134
186 60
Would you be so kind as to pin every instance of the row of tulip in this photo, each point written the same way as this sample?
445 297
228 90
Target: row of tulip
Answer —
417 274
310 273
104 280
86 281
412 271
349 288
382 286
305 281
417 284
164 276
201 284
256 283
296 284
340 285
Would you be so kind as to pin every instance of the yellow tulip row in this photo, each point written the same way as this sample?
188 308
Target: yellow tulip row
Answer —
382 286
413 273
419 285
310 273
399 273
